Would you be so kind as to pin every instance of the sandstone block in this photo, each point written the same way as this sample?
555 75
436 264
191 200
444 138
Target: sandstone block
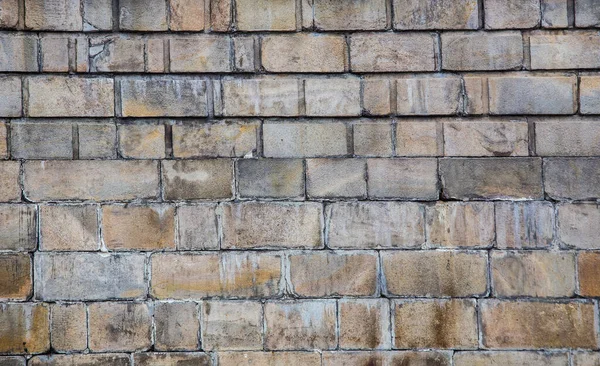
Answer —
13 360
72 227
260 97
428 96
15 276
486 138
24 328
41 140
588 266
414 179
275 178
97 140
177 326
82 360
143 16
232 325
372 139
68 327
376 96
244 53
336 178
574 50
55 54
197 227
197 179
278 15
304 139
572 178
425 14
524 225
587 13
354 15
555 14
433 358
206 53
501 14
97 15
228 139
364 324
63 15
18 53
18 227
567 137
482 51
578 225
268 358
457 224
220 15
186 15
172 359
116 54
9 14
589 94
304 53
119 327
10 96
9 181
332 97
509 358
419 138
142 141
585 358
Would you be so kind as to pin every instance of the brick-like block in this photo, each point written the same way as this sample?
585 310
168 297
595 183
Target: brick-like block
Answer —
172 358
63 15
220 15
10 96
116 54
3 140
197 179
425 14
524 225
97 140
417 96
99 180
177 326
9 14
82 360
477 358
457 224
435 273
528 324
244 53
18 227
143 16
72 227
197 227
486 138
61 96
18 53
413 179
435 324
55 53
588 266
258 225
142 141
187 15
340 358
373 225
268 358
232 325
492 178
582 358
503 14
572 178
567 136
24 328
41 140
587 13
578 225
304 53
476 95
159 97
376 96
89 276
555 14
233 275
206 53
372 139
119 327
419 138
320 274
14 360
589 94
228 139
576 50
532 94
15 277
9 181
97 15
68 327
392 52
274 178
332 97
354 15
269 96
482 51
300 325
336 178
533 273
364 324
305 139
266 15
133 227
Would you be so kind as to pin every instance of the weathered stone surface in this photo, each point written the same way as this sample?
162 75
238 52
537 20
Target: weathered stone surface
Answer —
435 324
332 97
432 358
268 358
172 359
555 14
256 225
352 15
386 52
24 328
97 15
90 180
586 358
197 227
376 96
197 179
362 225
476 95
228 325
482 51
98 140
10 96
425 14
206 53
9 181
16 282
434 273
273 15
502 14
524 225
527 324
532 95
510 358
3 140
457 224
89 276
492 178
55 54
372 139
535 274
269 96
18 227
61 15
588 266
228 139
73 227
82 360
142 141
143 16
589 94
572 178
322 274
9 14
486 138
68 327
419 138
304 139
304 53
587 13
41 140
177 326
244 53
186 15
428 96
18 53
275 178
578 50
336 178
13 360
119 327
149 227
414 179
578 225
567 137
233 275
364 324
116 54
159 97
300 325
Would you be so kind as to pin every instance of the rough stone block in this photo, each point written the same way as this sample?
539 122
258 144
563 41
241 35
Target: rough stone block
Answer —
16 282
206 53
482 51
24 328
97 15
376 96
572 178
578 225
457 224
41 140
502 14
567 137
232 325
18 53
55 54
304 53
9 14
305 139
274 178
486 138
18 227
10 96
119 327
177 326
269 96
197 227
588 266
428 96
266 15
587 13
413 179
60 15
332 97
372 139
227 139
116 54
143 16
425 14
172 359
364 324
142 141
419 138
509 358
574 50
72 227
352 15
268 358
82 360
186 15
10 191
524 225
97 140
433 358
197 179
328 178
68 327
589 94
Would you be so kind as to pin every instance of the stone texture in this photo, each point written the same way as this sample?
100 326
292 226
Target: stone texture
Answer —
233 275
143 16
336 178
510 358
421 96
116 54
73 227
18 227
414 179
566 137
457 224
244 53
197 179
97 141
206 53
425 14
555 13
68 327
274 15
18 53
359 15
55 54
502 14
587 13
527 324
89 276
24 328
63 15
486 138
482 51
492 178
332 97
82 360
419 138
177 326
268 358
362 225
197 227
172 359
434 273
16 281
227 139
304 53
41 140
256 225
119 327
376 96
565 51
586 358
13 361
10 96
139 141
274 178
588 266
372 139
9 181
304 139
300 325
572 178
527 225
364 324
435 324
589 94
578 225
432 358
260 97
9 14
186 15
97 15
230 325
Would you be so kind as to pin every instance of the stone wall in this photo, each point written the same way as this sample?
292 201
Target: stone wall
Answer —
299 182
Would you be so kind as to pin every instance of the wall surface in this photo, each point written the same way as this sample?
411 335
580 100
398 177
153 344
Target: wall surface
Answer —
299 182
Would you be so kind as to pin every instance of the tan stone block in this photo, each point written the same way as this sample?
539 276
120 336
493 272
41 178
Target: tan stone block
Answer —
119 327
268 358
364 324
97 15
332 97
228 139
304 53
558 51
55 54
97 140
177 326
274 178
62 15
15 277
232 325
10 96
524 225
354 15
142 141
572 178
555 14
588 273
68 327
24 328
13 360
376 96
114 359
143 16
304 139
9 14
172 359
567 136
482 51
197 227
419 138
205 53
18 53
457 224
186 15
155 55
244 49
41 140
425 14
392 52
510 358
336 178
266 15
220 15
386 358
589 94
116 54
3 140
372 139
197 179
268 96
69 228
502 14
428 96
10 191
487 137
18 227
583 358
476 99
403 178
